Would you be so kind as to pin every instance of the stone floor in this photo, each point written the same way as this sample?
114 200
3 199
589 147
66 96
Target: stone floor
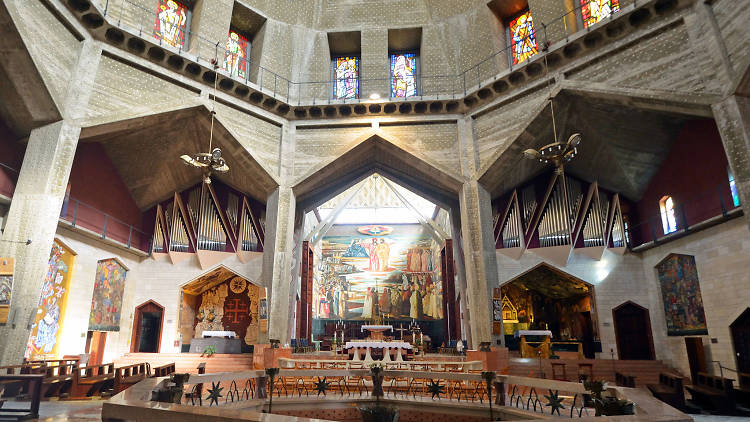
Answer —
90 411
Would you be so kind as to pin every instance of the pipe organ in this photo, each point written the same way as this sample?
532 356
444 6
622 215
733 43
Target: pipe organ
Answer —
159 241
554 227
179 240
512 229
233 204
528 197
249 237
575 197
618 235
211 233
194 199
594 224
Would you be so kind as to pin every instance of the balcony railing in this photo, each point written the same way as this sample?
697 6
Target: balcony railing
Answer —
8 179
691 213
84 216
139 19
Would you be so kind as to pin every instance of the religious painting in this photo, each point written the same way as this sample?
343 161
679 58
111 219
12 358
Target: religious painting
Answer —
403 75
6 287
171 22
235 57
106 304
229 306
378 276
592 11
346 78
523 38
681 293
48 321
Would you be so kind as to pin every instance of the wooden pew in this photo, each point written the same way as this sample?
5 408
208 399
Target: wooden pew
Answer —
126 376
163 371
669 390
717 393
743 390
31 383
58 379
91 380
623 380
13 388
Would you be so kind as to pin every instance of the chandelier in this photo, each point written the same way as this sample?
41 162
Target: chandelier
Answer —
556 153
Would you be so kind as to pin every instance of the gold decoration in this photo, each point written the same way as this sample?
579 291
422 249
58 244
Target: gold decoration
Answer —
237 285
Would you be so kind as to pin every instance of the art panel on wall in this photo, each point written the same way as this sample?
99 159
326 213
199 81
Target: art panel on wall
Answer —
48 322
681 293
106 303
368 272
6 287
230 306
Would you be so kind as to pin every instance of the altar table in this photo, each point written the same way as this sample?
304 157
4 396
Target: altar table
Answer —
376 331
369 345
220 334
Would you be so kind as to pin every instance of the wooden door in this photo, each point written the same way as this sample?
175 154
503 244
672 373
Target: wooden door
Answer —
696 356
740 329
633 332
95 342
148 322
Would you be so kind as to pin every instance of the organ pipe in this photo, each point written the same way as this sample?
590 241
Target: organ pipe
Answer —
178 235
211 233
618 239
511 229
554 228
194 198
528 197
158 235
233 203
594 224
249 237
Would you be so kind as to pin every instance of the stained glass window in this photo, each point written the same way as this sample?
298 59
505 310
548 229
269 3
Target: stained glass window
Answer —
733 188
403 75
592 11
235 57
523 38
171 22
668 220
346 77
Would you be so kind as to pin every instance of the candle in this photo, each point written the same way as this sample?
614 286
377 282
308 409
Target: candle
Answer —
413 337
421 338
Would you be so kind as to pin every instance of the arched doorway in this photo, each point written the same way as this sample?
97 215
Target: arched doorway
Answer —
633 332
740 329
545 298
148 321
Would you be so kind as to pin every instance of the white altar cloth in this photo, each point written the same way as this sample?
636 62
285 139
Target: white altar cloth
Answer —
230 334
377 345
520 333
376 327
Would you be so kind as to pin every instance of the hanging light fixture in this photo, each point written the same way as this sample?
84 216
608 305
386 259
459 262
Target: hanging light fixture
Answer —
212 160
558 153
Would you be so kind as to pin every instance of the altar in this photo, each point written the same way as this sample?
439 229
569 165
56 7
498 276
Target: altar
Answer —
400 348
376 331
222 342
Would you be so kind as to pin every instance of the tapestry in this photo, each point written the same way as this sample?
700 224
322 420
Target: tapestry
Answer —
106 304
681 293
263 310
6 287
371 272
230 306
45 332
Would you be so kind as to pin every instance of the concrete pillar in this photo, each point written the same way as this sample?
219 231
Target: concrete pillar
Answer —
479 259
37 200
210 22
458 259
733 120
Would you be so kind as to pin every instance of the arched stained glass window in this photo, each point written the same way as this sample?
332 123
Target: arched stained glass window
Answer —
522 37
403 75
170 25
668 220
592 11
235 57
346 77
733 189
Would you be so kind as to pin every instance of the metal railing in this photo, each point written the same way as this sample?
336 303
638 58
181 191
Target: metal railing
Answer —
82 215
8 180
691 212
131 15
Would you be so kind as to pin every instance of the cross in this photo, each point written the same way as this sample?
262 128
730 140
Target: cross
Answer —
234 311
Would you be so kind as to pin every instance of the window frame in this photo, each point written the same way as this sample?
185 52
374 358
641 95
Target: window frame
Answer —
188 21
509 39
669 225
248 48
358 78
582 21
417 74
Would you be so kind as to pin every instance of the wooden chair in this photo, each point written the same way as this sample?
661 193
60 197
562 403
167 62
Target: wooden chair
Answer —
558 371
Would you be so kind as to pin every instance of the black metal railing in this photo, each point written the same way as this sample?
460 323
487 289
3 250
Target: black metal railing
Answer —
128 14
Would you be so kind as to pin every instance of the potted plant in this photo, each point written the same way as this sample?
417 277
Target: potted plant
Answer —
209 351
607 405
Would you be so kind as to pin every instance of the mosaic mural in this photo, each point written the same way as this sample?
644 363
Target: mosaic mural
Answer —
45 332
230 306
106 304
392 274
681 293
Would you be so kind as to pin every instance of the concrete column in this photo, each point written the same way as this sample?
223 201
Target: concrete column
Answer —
479 258
211 20
733 120
36 203
458 259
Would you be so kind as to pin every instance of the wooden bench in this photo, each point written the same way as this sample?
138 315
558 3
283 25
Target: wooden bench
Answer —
58 379
92 380
31 383
622 380
669 390
743 390
163 371
714 392
14 387
126 376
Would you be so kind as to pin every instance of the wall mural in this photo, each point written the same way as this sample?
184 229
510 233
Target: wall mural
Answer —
230 306
681 293
106 303
369 271
45 332
6 287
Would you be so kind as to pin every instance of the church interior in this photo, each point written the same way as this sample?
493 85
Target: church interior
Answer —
425 210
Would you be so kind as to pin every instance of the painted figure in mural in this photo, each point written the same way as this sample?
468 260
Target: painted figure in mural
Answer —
46 335
396 301
425 259
324 309
346 74
342 303
368 306
427 301
172 19
6 285
372 250
383 251
355 250
384 301
437 301
406 294
52 291
415 302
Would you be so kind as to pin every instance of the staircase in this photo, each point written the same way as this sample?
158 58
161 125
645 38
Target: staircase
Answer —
188 362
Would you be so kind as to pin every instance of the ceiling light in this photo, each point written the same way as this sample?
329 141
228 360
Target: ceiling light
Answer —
374 96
